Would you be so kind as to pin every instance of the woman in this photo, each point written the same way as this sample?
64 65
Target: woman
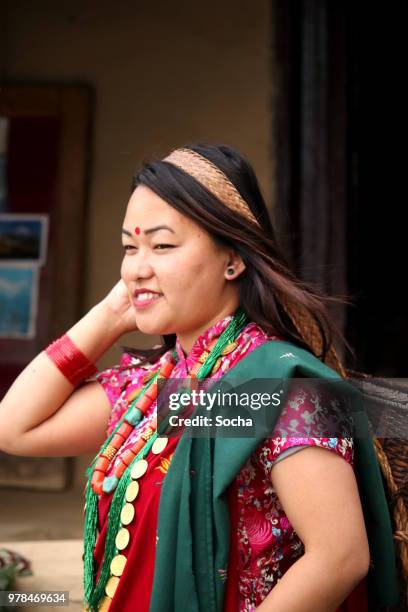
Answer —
201 267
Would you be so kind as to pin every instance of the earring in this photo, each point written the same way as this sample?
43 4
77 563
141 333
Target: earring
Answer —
230 270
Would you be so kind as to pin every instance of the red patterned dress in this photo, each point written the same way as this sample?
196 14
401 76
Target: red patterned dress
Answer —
263 542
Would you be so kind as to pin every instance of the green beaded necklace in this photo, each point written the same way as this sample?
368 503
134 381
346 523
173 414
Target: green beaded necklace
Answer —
94 592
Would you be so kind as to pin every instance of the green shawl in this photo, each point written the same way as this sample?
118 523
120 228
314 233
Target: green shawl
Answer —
193 521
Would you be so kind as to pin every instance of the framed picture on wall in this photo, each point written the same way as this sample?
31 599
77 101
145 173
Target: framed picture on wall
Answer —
45 136
23 238
18 301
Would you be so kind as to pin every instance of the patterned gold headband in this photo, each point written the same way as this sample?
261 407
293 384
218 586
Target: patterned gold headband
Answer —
211 177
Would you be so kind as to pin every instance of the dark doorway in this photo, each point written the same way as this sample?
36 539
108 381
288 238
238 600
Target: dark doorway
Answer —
340 196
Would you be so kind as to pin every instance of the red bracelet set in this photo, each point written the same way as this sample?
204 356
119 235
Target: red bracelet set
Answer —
73 364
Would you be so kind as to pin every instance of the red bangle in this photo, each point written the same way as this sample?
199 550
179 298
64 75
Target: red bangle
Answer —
73 364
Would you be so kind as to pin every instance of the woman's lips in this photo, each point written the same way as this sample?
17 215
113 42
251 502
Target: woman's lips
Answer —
143 302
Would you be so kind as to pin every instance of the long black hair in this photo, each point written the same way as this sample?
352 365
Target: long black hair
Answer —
267 274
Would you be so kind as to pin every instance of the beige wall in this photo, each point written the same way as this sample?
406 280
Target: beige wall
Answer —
164 74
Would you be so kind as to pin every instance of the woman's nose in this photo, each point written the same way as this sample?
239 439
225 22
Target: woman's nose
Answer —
138 265
143 267
144 271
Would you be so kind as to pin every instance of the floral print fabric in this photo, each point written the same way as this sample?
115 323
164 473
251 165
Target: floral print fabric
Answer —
267 543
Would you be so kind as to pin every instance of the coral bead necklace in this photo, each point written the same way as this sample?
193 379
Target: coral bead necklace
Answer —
131 466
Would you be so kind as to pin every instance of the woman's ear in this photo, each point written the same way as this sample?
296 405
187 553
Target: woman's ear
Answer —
235 266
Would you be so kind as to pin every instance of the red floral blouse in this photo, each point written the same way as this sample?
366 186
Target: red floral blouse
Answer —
263 542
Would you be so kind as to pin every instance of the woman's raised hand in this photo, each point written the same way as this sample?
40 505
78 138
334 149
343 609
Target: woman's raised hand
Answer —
53 415
118 302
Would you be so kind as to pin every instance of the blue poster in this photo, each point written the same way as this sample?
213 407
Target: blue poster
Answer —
23 238
18 301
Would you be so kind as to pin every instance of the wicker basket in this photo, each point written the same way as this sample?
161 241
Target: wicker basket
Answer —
391 397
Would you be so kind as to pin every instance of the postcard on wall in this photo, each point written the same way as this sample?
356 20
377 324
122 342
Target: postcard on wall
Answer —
23 238
18 301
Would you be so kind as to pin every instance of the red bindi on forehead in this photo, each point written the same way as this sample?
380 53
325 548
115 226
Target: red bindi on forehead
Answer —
137 230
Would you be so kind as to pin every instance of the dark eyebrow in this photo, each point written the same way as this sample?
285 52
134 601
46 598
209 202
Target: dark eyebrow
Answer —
150 230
